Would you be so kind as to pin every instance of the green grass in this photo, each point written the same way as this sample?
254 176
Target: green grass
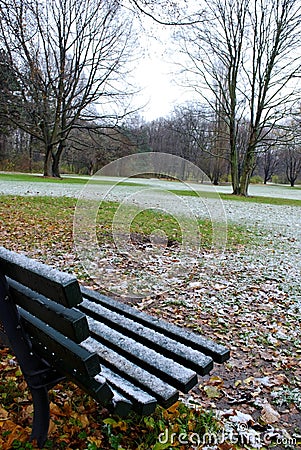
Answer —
263 200
30 178
147 222
140 224
46 209
194 193
43 223
47 222
250 199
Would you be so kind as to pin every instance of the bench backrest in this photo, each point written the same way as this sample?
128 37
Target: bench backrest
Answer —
58 286
46 298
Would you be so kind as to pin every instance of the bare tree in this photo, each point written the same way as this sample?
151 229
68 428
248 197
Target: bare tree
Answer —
268 163
167 12
292 160
243 60
203 137
291 152
68 56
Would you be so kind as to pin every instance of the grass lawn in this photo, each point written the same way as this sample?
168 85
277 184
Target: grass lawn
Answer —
46 222
250 199
31 178
232 305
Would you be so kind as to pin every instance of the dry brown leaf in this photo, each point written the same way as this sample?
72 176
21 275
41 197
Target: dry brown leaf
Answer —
269 414
216 380
3 414
55 409
212 392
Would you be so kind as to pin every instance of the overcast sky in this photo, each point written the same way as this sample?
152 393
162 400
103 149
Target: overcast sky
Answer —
157 75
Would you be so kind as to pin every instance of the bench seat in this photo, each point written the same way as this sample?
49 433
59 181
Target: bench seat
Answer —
124 358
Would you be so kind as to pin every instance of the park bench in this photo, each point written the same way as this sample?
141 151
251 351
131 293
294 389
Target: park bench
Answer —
124 358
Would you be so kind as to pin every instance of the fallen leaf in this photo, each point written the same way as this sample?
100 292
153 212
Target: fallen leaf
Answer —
82 418
216 380
3 414
55 409
241 418
212 392
280 379
248 380
94 440
269 414
226 446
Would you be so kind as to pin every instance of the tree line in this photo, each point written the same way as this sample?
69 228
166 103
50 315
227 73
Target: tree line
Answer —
186 133
189 133
64 90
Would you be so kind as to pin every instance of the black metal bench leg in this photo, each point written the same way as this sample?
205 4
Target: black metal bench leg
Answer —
37 372
41 416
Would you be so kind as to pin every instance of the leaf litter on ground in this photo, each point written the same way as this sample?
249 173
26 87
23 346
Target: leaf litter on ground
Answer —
247 298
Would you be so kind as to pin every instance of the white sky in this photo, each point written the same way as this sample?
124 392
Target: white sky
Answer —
156 75
159 90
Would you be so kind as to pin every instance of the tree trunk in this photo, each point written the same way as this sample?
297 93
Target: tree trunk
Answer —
235 174
234 159
56 159
248 164
30 153
245 181
247 170
48 162
55 168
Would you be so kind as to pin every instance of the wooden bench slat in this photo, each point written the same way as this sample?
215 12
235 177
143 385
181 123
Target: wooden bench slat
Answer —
96 386
143 403
65 354
218 352
59 286
70 358
70 322
190 358
119 405
165 394
168 370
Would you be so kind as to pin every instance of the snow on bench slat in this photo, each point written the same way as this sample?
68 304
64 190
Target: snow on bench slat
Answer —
218 352
143 403
165 394
191 358
165 368
58 286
